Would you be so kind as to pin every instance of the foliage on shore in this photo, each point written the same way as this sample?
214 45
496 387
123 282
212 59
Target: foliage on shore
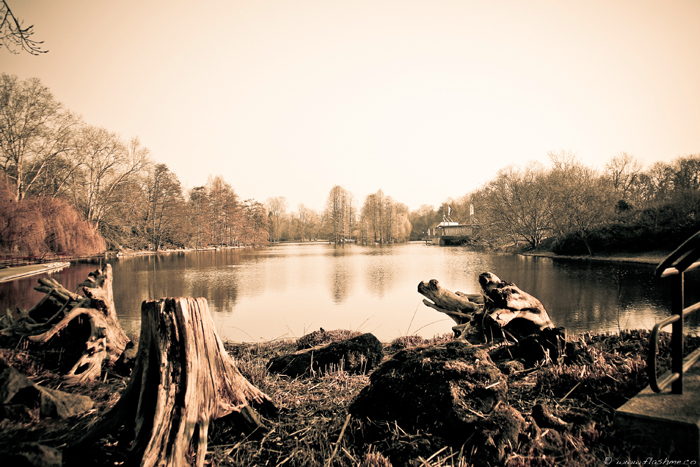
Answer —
314 426
42 225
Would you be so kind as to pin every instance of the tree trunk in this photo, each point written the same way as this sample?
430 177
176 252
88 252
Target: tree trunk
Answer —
182 380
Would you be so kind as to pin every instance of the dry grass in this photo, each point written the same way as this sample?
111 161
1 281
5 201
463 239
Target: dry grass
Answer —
313 427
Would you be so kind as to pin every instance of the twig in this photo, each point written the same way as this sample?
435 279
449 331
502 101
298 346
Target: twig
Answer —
288 458
478 414
411 323
568 393
337 443
438 452
299 431
348 454
438 321
363 323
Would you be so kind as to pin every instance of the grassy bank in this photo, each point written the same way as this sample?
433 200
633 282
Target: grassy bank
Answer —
314 428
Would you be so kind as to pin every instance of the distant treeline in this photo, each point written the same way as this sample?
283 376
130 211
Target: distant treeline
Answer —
70 187
577 209
380 219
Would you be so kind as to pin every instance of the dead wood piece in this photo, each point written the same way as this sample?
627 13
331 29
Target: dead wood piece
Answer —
544 417
59 308
505 302
17 391
457 305
182 380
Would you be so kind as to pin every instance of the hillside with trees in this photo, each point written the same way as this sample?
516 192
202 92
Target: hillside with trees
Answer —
575 209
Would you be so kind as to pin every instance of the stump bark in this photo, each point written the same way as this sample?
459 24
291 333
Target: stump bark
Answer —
182 380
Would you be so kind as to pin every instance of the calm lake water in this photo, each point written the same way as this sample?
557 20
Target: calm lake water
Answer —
290 289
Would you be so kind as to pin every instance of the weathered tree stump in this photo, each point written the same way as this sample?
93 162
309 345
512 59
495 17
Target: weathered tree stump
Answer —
60 308
182 380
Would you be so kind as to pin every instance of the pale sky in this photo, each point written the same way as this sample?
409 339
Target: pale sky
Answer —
423 99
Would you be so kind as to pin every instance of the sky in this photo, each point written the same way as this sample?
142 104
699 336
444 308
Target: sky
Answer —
425 100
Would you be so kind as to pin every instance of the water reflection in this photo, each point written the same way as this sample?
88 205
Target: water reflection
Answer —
341 279
292 289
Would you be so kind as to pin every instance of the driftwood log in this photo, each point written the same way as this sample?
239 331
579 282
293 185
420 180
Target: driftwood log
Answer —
182 380
501 306
62 311
505 303
457 305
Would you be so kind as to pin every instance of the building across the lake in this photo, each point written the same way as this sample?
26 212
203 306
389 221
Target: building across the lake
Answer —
451 233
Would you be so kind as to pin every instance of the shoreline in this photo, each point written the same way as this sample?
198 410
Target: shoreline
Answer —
651 257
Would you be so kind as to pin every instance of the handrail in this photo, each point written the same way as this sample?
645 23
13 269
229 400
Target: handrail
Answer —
682 260
689 361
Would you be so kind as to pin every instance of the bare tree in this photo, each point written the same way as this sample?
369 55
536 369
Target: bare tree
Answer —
277 208
622 171
307 219
372 216
518 197
13 35
198 203
222 207
687 177
166 204
255 227
35 130
109 164
337 213
422 220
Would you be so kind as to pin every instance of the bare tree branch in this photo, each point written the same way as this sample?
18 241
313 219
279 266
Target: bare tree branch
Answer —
14 36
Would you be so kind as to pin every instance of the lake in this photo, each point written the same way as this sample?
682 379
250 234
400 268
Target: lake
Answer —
287 290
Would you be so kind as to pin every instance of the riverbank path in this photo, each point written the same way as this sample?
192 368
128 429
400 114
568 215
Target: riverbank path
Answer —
10 274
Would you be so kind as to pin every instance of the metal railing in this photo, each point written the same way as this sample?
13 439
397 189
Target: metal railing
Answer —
684 259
